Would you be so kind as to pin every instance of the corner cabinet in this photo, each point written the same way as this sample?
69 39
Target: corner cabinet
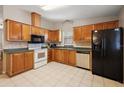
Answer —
19 62
17 31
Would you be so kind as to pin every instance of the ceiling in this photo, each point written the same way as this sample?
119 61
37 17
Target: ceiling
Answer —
72 12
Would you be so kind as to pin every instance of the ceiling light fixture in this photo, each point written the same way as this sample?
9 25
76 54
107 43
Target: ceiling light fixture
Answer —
51 7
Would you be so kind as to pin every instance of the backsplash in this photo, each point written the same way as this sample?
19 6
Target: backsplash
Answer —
12 45
82 44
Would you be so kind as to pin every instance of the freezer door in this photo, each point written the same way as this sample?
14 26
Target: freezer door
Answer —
113 57
97 52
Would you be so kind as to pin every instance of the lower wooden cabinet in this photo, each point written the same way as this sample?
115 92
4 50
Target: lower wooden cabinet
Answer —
65 56
29 60
72 58
19 62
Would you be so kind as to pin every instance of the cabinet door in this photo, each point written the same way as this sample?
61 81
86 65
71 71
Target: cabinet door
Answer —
111 24
17 63
98 26
57 55
72 58
86 32
49 56
50 36
77 33
66 55
29 60
35 30
36 19
56 36
26 34
13 30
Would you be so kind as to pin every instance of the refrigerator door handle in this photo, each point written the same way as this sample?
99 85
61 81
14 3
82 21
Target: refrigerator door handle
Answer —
102 48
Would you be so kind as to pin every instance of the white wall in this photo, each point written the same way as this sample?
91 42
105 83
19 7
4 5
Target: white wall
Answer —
18 14
121 23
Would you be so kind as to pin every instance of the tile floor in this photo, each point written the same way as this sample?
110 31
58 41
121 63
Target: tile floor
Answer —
57 75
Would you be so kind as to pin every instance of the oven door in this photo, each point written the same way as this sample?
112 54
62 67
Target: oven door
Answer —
40 55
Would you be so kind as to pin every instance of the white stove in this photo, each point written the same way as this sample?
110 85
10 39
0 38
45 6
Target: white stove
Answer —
40 55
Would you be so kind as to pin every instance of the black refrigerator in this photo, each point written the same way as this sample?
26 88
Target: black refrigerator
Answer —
107 53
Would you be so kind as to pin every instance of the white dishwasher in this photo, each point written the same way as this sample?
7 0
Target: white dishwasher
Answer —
83 60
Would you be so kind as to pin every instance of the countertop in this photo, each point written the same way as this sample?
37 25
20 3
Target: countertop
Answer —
17 50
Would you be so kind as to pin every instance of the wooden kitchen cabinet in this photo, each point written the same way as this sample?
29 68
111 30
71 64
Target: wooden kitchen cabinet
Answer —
50 55
77 32
86 32
72 58
37 31
36 19
111 24
98 26
26 32
57 55
29 60
19 62
82 33
106 25
53 36
17 31
14 30
65 56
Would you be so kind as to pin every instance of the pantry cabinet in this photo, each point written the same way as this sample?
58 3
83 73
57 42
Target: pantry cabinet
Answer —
19 62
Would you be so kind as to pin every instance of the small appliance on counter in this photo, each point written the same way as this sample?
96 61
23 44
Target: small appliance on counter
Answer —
52 45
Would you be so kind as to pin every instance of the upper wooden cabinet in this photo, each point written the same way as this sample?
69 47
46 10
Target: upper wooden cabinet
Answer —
14 30
106 25
98 26
53 36
26 32
36 19
77 33
111 25
82 33
17 31
37 30
86 32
